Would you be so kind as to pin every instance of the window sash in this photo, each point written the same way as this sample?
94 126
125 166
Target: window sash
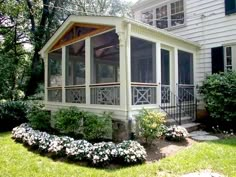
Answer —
228 58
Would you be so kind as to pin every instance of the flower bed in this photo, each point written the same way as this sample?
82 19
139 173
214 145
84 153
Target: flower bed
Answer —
98 154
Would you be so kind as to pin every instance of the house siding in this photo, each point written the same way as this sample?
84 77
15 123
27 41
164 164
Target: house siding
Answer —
207 24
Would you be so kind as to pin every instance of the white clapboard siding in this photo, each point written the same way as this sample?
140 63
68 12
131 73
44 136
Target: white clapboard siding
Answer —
207 24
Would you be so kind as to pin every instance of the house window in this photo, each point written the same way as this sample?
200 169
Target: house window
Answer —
147 17
166 16
177 13
228 58
162 17
230 7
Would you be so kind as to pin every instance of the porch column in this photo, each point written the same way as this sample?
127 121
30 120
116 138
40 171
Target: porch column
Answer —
87 69
158 72
176 71
63 74
45 78
123 73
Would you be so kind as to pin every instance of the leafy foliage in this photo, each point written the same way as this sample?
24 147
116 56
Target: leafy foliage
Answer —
12 113
39 119
69 121
218 91
97 127
151 124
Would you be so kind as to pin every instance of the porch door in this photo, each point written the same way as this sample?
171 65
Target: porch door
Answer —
185 75
165 76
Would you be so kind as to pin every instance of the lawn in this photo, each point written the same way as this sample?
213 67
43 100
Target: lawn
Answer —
219 156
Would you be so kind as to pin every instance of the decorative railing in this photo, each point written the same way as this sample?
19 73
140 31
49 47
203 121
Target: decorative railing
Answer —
186 92
165 94
55 94
105 94
75 94
143 93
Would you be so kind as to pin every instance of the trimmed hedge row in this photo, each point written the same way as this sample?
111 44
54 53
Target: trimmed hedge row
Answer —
98 154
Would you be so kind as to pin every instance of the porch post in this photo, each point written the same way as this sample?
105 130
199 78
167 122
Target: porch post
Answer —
128 68
123 73
176 71
87 69
45 78
63 74
158 72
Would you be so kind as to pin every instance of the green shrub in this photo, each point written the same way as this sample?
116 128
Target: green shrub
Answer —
219 95
12 113
97 127
151 124
39 118
69 121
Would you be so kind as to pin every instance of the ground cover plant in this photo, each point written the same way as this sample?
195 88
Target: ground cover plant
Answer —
219 156
97 154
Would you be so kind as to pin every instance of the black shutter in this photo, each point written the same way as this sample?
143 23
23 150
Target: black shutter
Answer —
230 6
217 59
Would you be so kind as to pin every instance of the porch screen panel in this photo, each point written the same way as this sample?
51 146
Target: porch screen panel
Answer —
143 61
143 72
185 66
75 73
105 61
105 72
55 76
54 68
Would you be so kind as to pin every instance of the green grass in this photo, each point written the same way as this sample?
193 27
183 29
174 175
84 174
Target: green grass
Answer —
219 156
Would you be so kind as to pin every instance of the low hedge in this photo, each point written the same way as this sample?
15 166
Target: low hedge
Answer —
98 154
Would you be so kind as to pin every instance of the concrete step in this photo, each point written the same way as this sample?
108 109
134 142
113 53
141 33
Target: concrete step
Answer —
190 127
184 120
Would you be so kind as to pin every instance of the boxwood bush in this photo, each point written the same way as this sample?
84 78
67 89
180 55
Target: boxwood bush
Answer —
219 95
12 113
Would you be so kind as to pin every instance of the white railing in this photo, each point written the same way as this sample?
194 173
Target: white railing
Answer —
75 94
105 94
143 93
55 94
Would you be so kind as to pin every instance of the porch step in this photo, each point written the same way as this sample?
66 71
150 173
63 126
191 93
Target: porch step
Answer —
184 120
190 127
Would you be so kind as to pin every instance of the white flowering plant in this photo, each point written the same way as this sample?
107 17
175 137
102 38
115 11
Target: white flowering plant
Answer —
98 154
131 152
176 133
78 149
101 154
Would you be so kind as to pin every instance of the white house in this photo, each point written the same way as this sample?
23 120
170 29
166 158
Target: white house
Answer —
211 23
119 65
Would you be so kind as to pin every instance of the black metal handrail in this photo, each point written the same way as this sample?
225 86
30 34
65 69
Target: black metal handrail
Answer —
172 106
185 104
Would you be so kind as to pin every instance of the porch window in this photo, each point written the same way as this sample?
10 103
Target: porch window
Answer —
75 72
105 69
143 71
55 76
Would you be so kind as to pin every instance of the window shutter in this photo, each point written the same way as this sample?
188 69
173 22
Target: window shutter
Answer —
217 59
230 6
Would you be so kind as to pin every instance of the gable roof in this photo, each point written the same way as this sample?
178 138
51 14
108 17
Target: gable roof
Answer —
105 21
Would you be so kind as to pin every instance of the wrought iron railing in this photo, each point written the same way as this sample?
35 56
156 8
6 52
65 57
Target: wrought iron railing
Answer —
172 106
75 94
143 93
105 94
176 107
